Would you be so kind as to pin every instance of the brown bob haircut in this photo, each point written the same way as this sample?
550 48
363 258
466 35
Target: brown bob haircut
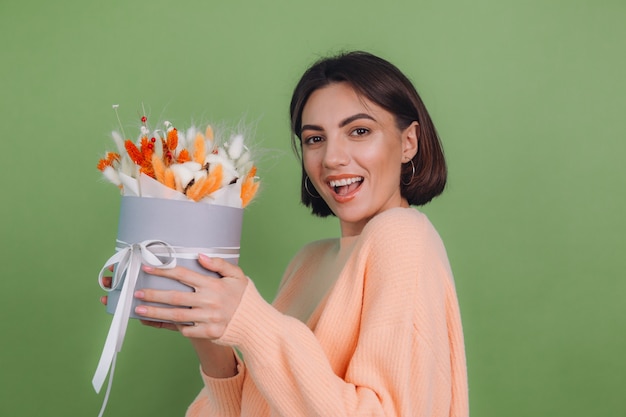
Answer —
385 85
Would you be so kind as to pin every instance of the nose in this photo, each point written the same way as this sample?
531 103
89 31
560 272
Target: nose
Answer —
336 152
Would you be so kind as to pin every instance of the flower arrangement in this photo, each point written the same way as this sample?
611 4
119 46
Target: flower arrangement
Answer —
197 164
175 168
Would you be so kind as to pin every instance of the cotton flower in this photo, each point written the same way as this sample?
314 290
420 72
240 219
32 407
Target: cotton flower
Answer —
230 173
182 174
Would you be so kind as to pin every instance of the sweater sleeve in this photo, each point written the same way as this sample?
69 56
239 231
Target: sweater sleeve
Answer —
220 397
401 364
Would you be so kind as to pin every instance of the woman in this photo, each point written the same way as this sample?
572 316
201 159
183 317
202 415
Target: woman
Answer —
366 324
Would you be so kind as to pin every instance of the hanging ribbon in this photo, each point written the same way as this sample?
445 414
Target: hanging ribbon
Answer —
129 259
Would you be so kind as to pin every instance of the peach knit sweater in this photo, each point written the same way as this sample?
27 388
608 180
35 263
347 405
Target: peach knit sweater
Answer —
384 340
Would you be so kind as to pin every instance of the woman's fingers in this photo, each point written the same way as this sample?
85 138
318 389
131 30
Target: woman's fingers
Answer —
160 325
175 315
194 279
106 282
181 274
220 266
173 298
203 324
210 307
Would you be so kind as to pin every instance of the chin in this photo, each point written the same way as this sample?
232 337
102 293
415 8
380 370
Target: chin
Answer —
352 216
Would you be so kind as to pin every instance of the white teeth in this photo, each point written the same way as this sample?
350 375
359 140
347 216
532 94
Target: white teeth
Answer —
345 181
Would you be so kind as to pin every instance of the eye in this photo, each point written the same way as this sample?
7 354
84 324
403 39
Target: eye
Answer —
360 131
311 140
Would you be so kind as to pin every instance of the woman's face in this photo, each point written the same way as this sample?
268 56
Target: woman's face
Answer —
352 152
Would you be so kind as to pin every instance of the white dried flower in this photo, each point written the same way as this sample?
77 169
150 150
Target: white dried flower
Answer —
182 174
235 147
111 174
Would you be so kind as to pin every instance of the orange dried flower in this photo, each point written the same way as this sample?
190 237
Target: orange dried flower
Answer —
147 149
206 185
199 149
183 156
193 192
169 179
167 154
113 157
148 170
249 187
248 191
159 169
172 139
134 153
108 160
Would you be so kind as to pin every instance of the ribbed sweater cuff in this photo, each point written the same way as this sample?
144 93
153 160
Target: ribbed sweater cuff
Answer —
224 394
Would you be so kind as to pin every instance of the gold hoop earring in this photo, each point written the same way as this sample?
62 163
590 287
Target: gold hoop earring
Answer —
306 180
412 174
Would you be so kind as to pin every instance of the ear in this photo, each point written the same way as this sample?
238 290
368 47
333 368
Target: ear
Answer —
410 141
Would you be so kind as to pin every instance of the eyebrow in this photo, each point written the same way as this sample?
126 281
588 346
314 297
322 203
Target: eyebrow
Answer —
343 123
358 116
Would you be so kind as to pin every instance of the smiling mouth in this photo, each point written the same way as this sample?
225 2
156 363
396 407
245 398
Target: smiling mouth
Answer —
345 186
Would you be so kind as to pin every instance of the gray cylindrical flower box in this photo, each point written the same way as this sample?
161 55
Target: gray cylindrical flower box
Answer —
185 224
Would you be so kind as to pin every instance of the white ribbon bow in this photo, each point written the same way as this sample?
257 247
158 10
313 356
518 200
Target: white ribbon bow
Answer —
128 260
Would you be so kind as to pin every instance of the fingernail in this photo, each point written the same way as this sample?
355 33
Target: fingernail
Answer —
147 268
204 257
139 294
141 310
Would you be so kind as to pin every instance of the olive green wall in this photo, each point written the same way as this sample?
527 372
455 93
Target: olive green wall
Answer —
529 99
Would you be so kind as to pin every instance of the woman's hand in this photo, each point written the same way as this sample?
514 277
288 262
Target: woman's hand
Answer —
106 281
213 303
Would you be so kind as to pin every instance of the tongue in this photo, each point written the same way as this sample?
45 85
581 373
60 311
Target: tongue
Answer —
346 189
